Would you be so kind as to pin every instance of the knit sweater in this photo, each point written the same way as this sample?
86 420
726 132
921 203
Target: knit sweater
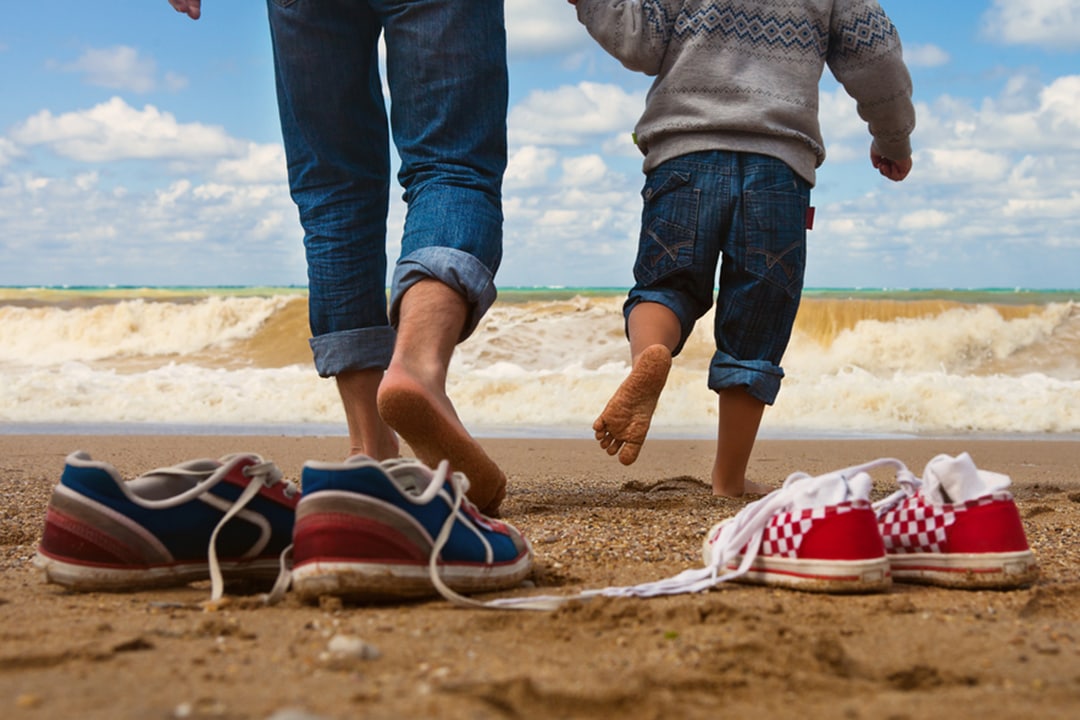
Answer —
743 75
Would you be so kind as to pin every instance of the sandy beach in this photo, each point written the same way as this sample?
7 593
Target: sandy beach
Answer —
744 651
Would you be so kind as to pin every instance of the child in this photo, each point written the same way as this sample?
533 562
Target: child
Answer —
731 141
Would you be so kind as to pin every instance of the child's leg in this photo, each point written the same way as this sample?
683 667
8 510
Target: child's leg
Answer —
761 279
651 323
740 416
655 333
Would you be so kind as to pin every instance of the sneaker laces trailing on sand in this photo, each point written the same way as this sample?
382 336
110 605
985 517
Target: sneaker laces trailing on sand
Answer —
732 546
459 486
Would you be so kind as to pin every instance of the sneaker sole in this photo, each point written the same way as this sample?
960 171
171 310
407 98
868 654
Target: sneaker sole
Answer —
967 570
87 578
387 581
824 576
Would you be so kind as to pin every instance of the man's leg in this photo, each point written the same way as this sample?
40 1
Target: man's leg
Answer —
446 68
412 397
336 137
368 432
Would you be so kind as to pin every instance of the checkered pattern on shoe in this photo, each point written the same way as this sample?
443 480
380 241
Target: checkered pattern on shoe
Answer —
785 532
916 526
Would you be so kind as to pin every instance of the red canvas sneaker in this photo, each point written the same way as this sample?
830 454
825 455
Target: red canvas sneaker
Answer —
814 533
958 527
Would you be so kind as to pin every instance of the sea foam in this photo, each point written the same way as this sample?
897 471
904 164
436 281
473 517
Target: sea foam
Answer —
546 364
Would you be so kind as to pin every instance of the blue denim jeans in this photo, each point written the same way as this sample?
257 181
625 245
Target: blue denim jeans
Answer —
751 211
447 77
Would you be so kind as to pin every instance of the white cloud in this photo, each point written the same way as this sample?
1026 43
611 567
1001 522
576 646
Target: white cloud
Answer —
572 113
538 28
529 166
925 56
947 166
924 220
1025 118
8 151
1047 23
114 130
258 164
78 230
116 68
587 171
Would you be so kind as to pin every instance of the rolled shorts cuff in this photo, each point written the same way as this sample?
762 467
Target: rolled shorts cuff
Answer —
456 269
360 349
760 378
673 301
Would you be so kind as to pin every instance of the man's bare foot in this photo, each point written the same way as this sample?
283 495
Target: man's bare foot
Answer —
368 433
749 488
622 427
427 422
384 447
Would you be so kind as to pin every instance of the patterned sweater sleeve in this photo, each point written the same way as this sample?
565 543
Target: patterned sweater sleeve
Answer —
866 57
635 32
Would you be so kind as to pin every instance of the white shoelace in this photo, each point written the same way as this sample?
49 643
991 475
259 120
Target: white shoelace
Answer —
263 474
909 487
459 485
745 530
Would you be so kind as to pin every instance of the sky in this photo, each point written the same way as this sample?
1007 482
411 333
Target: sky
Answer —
139 147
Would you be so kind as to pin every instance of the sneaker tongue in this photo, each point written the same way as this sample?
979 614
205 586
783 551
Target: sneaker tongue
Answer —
412 478
956 479
830 489
165 483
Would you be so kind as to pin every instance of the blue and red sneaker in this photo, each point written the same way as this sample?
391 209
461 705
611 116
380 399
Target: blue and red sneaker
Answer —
372 531
219 519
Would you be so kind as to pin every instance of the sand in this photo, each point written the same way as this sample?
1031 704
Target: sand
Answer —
737 651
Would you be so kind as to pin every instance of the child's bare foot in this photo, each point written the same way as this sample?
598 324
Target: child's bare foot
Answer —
623 425
426 420
749 488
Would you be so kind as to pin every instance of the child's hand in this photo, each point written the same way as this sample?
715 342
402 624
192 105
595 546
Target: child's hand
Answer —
895 170
191 8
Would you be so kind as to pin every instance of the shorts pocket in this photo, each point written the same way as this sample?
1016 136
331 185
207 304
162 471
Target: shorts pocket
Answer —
668 225
776 237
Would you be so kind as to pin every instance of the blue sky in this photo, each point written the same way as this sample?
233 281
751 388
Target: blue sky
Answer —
138 147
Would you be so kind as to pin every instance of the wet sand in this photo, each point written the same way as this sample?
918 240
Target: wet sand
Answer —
739 650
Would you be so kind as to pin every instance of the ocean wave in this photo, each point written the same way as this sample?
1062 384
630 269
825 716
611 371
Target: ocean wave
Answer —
859 365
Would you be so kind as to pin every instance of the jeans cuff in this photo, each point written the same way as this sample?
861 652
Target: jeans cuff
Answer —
360 349
760 378
456 269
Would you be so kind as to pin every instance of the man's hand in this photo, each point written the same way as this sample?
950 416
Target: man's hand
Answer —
192 8
895 170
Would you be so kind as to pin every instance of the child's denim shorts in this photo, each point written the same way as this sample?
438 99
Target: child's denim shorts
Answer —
748 213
